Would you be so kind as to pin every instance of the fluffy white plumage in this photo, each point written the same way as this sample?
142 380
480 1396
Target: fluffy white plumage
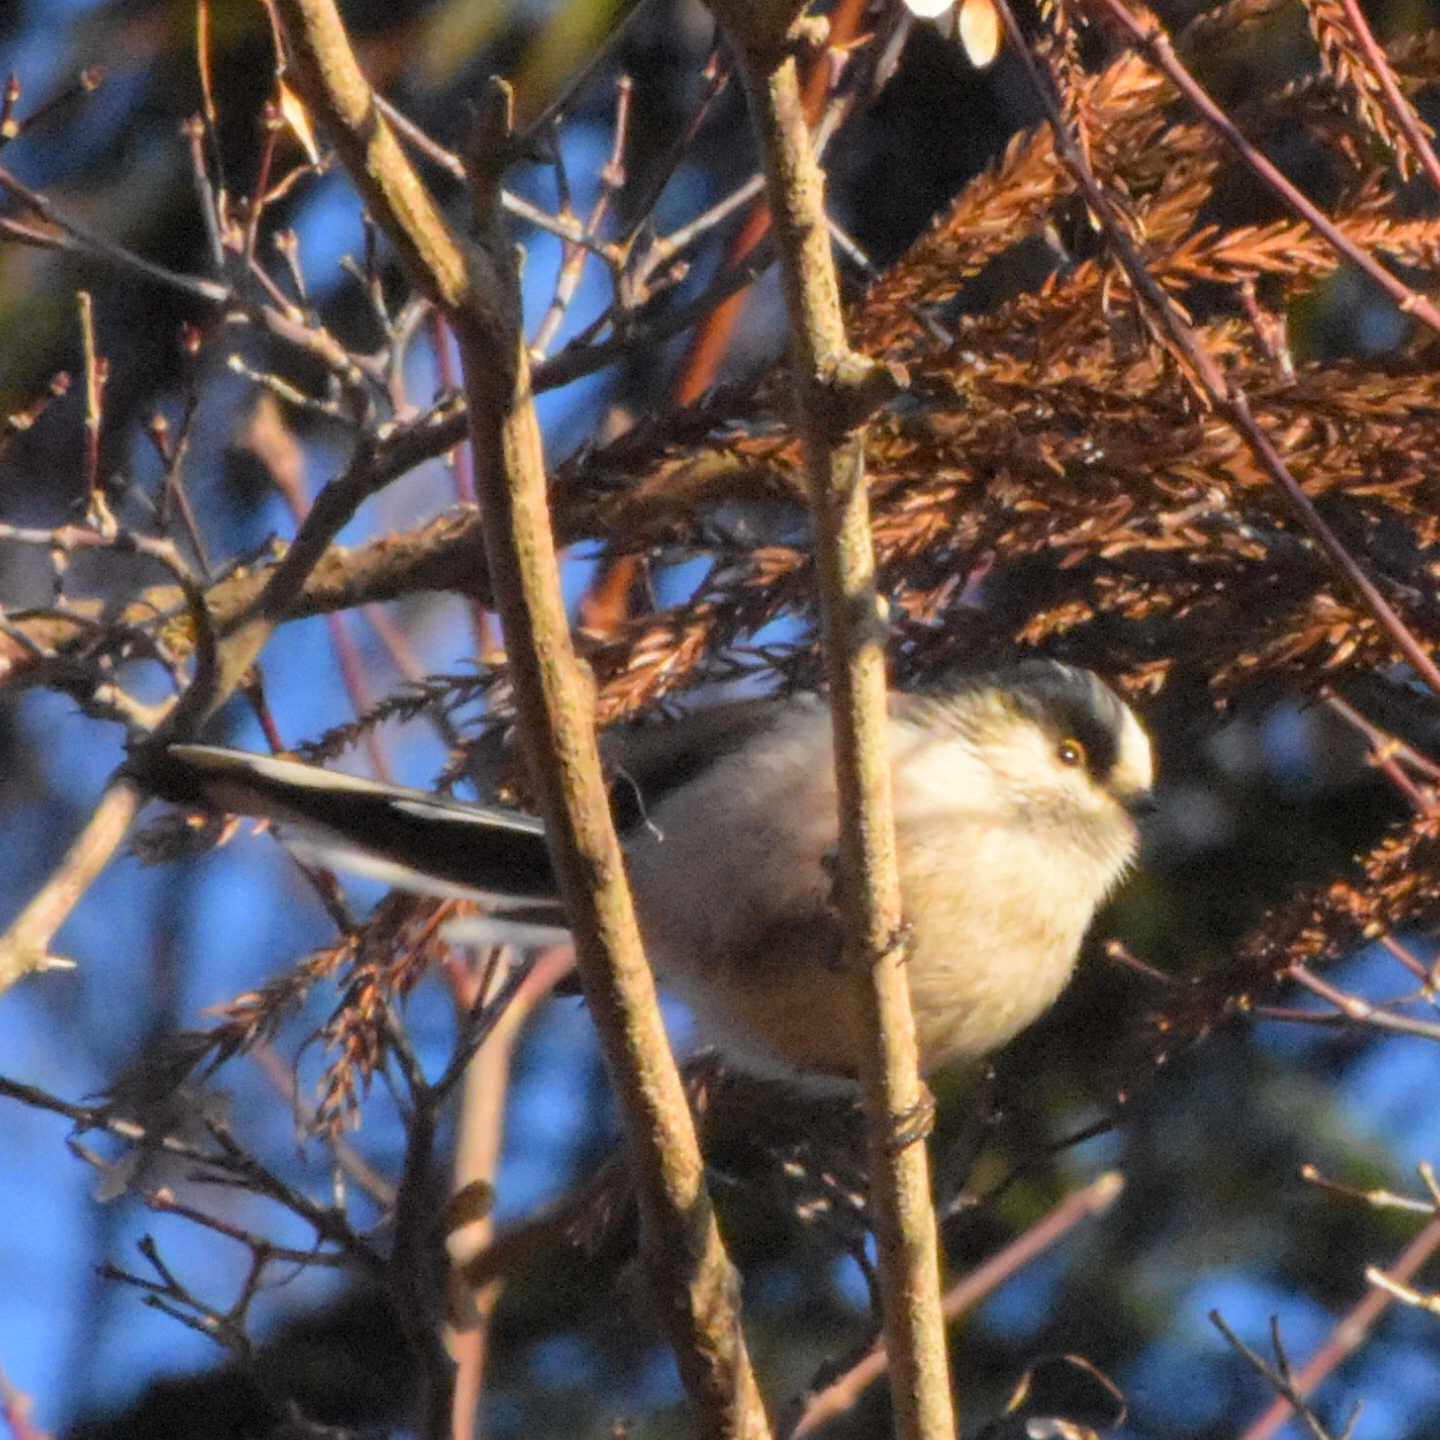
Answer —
1005 852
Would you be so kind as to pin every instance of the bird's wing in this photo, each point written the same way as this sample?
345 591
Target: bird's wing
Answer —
649 761
431 842
473 849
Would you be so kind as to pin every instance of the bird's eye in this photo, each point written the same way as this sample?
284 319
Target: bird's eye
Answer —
1070 752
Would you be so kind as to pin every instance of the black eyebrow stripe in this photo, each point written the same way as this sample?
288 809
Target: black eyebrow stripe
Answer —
1071 705
1065 702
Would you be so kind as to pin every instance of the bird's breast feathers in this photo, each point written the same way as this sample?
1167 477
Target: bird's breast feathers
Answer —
996 907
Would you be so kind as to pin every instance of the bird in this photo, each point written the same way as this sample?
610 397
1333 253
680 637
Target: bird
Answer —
1018 794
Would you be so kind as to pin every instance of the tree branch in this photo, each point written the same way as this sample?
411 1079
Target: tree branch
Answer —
835 390
844 1393
479 294
25 947
1346 1338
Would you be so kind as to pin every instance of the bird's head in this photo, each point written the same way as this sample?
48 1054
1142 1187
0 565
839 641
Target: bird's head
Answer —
1064 751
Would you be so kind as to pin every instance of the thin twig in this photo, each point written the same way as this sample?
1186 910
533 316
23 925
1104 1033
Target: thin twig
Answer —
566 227
1381 741
172 451
1347 1337
598 57
77 236
844 1393
1386 754
716 76
1406 1294
1362 1012
227 1163
1377 1198
1277 1376
163 1202
86 82
572 265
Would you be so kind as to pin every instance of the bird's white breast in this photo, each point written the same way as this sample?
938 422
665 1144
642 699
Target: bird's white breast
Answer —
996 906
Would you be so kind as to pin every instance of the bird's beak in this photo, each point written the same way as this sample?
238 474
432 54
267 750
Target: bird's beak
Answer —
1140 803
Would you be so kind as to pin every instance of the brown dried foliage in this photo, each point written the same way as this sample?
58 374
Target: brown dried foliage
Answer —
1049 438
1356 81
1048 444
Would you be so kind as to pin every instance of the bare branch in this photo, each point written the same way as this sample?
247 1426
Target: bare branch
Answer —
25 947
75 236
478 293
1349 1334
844 1394
1362 1012
835 390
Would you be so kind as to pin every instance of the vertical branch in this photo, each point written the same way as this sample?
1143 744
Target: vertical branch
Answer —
478 289
96 371
480 1135
834 391
687 1264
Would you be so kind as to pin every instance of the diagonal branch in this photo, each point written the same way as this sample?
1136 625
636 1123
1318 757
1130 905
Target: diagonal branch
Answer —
478 291
1155 45
842 1394
25 946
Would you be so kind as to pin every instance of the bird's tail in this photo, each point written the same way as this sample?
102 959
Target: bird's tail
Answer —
408 838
